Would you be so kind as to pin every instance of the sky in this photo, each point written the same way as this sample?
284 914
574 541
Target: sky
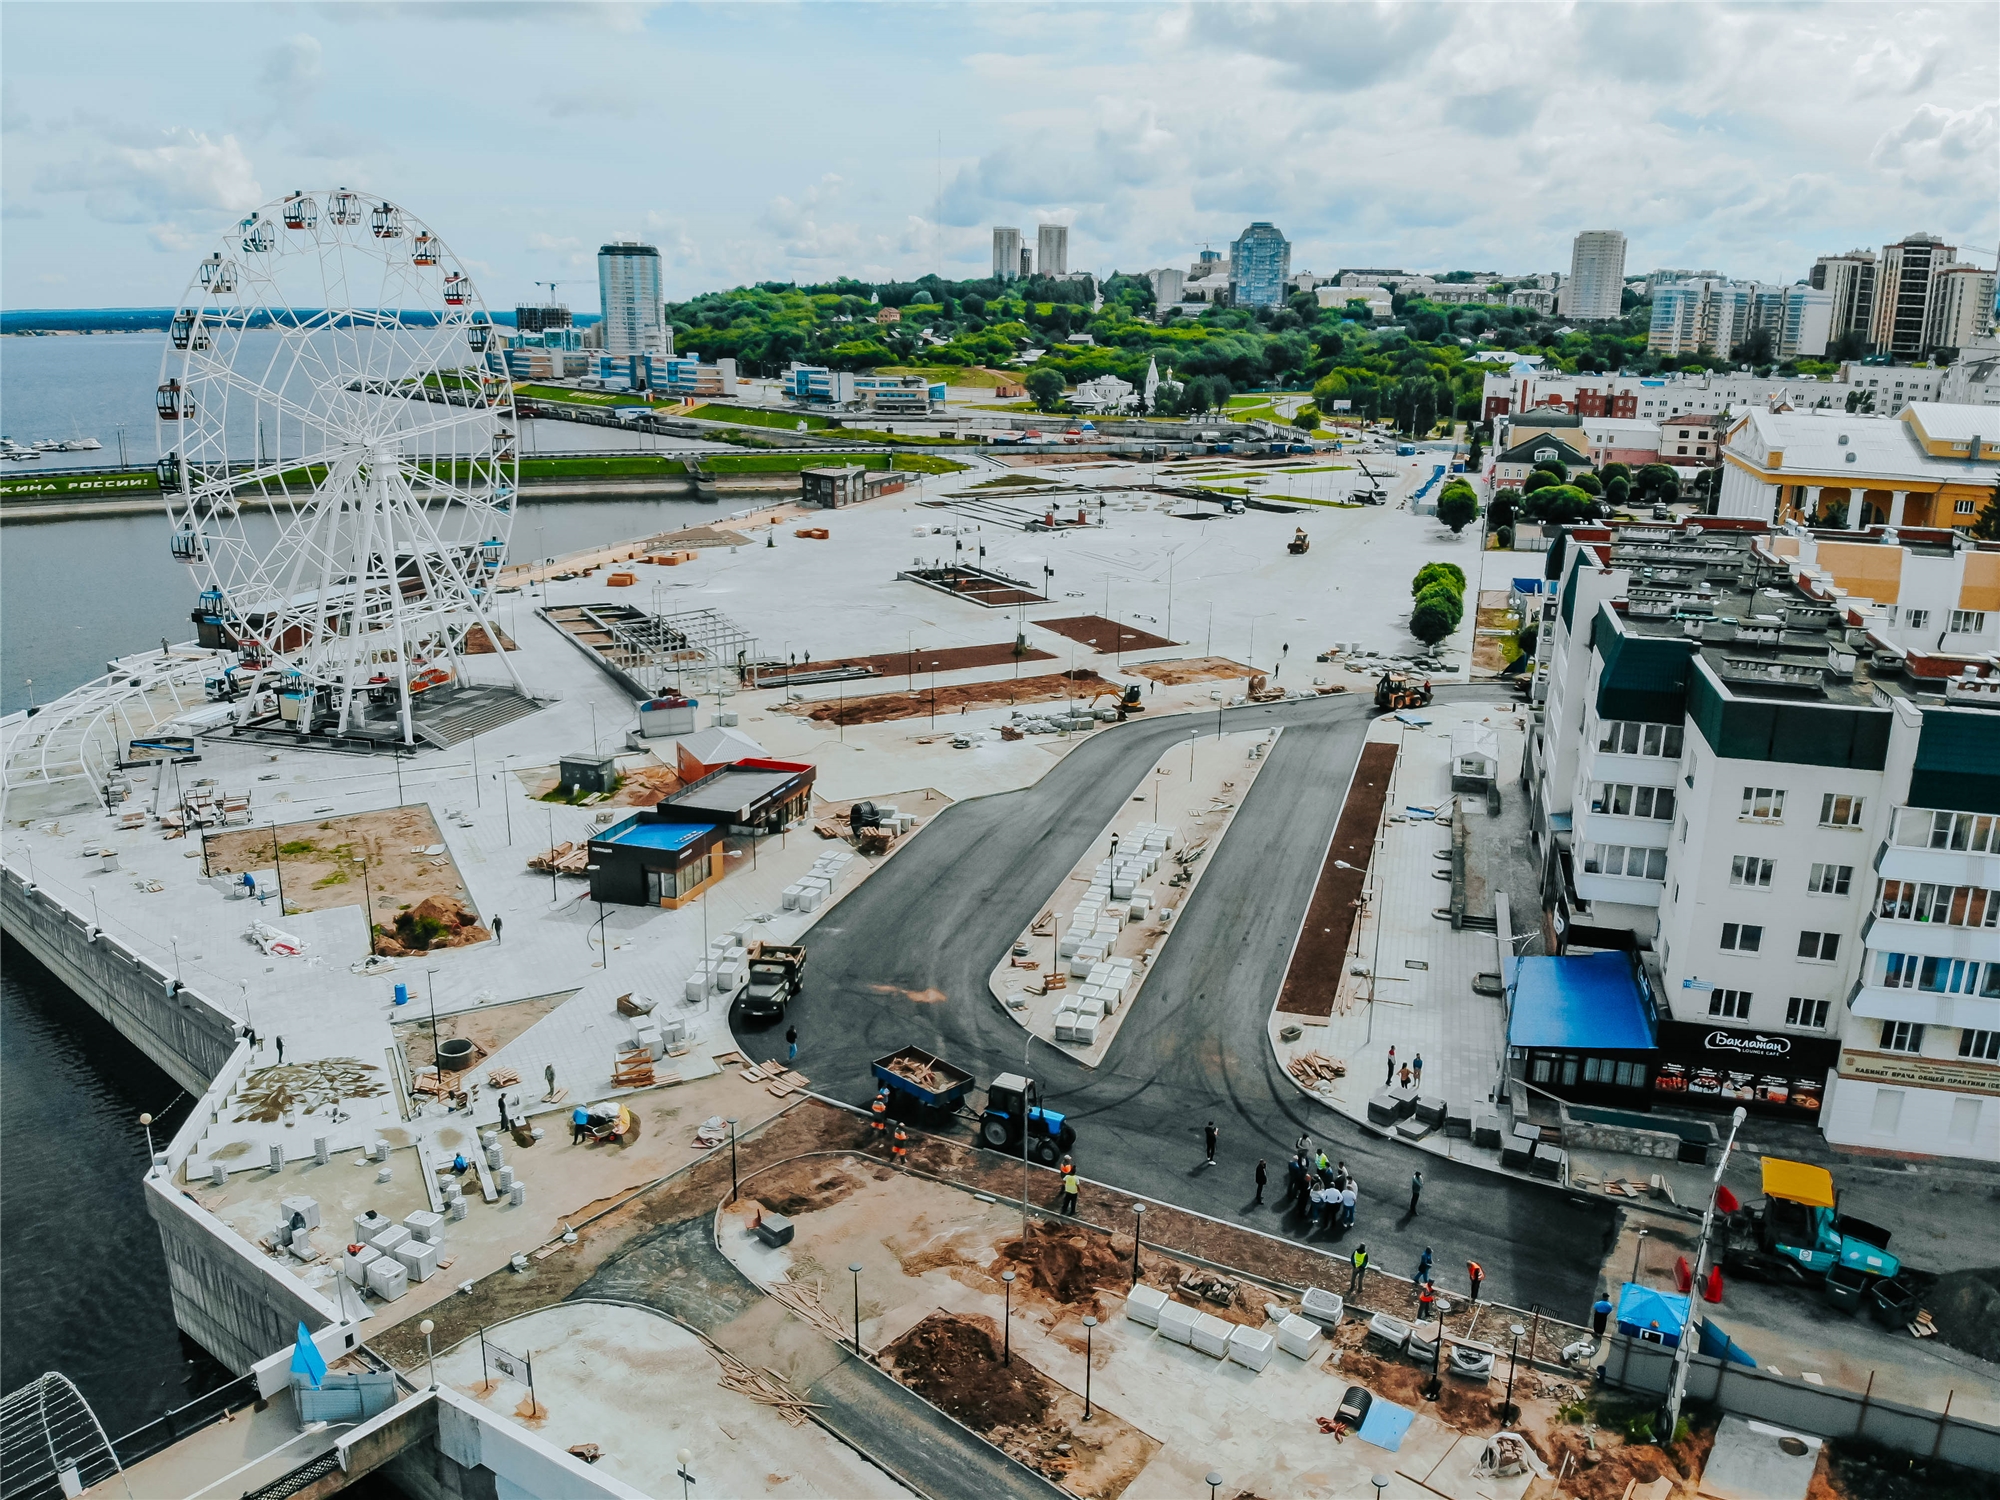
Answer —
804 142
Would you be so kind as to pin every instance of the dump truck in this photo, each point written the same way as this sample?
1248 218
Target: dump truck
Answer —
917 1081
777 973
1399 690
1799 1235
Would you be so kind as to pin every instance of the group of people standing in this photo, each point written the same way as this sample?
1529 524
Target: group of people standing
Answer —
1324 1187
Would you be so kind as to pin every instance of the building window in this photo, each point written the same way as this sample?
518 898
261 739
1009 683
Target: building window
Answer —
1917 619
1628 737
1742 937
1620 859
1763 803
1951 905
1829 880
1731 1005
1965 507
1748 869
1968 621
1838 811
1902 1036
1623 801
1977 833
1819 947
1982 1045
1888 1112
1811 1014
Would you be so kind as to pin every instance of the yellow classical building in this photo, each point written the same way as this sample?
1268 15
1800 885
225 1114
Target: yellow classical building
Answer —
1934 465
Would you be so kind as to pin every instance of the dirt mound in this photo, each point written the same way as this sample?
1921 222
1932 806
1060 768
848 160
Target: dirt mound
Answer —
954 1363
434 922
1191 669
1065 1265
1966 1308
1468 1408
950 697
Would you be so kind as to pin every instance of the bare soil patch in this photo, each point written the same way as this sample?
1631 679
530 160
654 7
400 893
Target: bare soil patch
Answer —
489 1028
953 1362
320 863
883 707
1108 635
1191 669
478 643
913 664
799 1187
696 536
1313 980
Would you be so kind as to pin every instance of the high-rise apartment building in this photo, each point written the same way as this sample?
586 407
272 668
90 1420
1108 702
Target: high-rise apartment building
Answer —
628 281
1903 289
1703 317
539 319
1850 280
1052 249
1006 252
1167 283
1807 325
1260 263
1596 284
1961 310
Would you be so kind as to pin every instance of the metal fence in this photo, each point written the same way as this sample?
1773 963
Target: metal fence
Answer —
166 1430
1826 1411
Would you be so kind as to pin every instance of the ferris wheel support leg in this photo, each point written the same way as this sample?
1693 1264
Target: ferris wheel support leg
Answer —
493 639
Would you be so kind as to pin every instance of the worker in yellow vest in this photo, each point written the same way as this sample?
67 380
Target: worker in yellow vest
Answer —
1071 1186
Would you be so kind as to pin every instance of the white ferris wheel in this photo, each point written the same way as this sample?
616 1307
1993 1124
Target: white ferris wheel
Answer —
338 460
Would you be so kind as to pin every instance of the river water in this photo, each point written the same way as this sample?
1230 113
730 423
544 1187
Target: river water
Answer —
86 1280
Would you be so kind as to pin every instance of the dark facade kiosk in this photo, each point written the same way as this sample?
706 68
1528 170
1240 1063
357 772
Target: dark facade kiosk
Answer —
668 854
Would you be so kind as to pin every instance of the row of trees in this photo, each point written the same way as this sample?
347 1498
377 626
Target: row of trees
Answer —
1438 601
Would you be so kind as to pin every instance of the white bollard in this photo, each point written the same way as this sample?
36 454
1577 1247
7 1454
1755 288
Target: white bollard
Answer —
518 1194
322 1150
218 1174
277 1157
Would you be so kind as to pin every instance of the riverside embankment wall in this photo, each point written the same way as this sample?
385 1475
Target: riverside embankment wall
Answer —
227 1296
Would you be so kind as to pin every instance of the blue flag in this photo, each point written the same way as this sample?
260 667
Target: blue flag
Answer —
306 1358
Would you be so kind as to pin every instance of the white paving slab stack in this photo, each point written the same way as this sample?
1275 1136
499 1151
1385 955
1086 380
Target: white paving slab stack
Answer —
1211 1335
1251 1347
1144 1304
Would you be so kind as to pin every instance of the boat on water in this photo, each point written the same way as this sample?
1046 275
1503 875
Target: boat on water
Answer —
11 449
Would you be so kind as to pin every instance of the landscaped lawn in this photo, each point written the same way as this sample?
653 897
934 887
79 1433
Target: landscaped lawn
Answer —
716 411
581 398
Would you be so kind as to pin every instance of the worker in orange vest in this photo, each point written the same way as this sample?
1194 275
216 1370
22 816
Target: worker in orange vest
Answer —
900 1146
1475 1274
880 1109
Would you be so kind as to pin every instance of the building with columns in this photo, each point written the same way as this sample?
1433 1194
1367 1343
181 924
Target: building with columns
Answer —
1930 466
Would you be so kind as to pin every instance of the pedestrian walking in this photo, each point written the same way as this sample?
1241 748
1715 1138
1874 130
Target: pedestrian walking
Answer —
880 1110
1389 1073
1426 1302
1208 1139
791 1044
1417 1067
549 1075
1475 1273
1600 1314
1405 1079
1347 1201
496 929
1359 1261
1072 1185
281 1049
1262 1176
1305 1147
899 1146
1424 1267
579 1125
1416 1191
505 1123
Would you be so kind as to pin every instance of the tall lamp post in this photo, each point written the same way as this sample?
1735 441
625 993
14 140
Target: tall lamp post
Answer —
147 1121
1508 1412
1007 1318
1681 1350
426 1328
856 1269
1138 1223
733 1188
1089 1332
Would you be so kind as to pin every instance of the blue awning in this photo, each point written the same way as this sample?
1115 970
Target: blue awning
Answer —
1588 1001
1657 1316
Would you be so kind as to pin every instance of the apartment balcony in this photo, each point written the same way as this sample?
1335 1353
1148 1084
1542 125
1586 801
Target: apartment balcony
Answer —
1938 866
1930 939
1876 1002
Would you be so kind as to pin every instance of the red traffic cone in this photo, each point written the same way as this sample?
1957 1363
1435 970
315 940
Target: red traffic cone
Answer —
1726 1201
1711 1289
1683 1274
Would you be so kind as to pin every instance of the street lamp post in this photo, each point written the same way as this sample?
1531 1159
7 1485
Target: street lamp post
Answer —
1681 1349
437 1057
1138 1223
856 1269
1089 1333
1638 1249
1508 1412
733 1189
1213 1480
684 1458
1194 735
147 1121
603 943
1007 1318
426 1328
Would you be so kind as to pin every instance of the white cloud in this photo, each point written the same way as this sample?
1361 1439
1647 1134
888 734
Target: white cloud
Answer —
187 170
541 241
1941 148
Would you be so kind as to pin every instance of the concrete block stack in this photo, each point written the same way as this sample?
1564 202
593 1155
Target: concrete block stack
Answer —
811 891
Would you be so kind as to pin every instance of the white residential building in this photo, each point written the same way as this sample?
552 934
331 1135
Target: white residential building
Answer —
1974 378
1596 276
1961 312
1006 252
1792 819
628 284
1052 250
1167 283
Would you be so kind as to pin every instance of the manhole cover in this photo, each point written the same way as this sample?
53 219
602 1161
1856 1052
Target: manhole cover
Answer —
1793 1446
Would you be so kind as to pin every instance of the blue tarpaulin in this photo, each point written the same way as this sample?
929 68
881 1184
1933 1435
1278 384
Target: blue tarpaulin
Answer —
1717 1344
306 1358
1385 1424
1657 1317
1584 1000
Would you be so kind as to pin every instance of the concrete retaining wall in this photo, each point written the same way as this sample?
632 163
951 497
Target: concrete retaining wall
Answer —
1579 1135
1826 1411
188 1038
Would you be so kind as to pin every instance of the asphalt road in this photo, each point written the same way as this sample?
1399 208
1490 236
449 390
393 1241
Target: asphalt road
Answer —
905 957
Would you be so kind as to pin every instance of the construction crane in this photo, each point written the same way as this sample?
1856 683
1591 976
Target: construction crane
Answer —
1375 496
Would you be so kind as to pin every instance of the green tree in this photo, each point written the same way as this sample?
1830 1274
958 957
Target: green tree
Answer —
1046 386
1434 572
1658 484
1538 479
1556 467
1472 453
1560 504
1458 506
1609 472
1438 609
1505 507
1617 490
1305 418
1986 526
1588 483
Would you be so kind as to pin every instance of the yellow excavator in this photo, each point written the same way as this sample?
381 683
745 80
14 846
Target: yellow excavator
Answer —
1127 696
1398 690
